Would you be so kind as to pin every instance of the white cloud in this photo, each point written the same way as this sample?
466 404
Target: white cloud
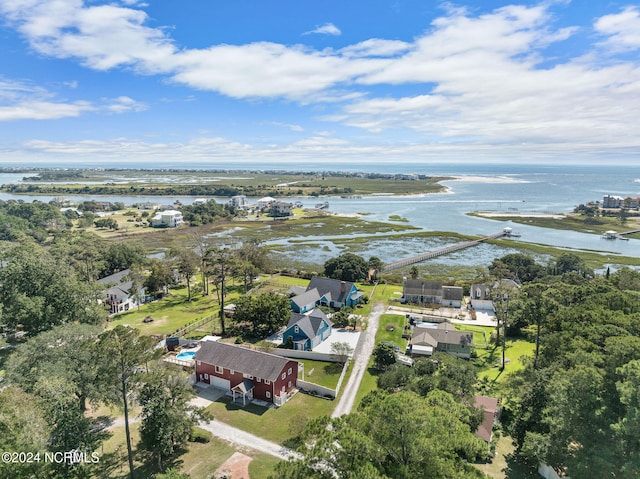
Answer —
42 110
622 29
290 126
326 29
23 101
124 104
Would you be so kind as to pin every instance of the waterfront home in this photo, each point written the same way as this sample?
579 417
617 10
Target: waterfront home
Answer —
167 219
326 292
280 209
423 292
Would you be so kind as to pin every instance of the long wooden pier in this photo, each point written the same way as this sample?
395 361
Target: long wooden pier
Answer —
442 251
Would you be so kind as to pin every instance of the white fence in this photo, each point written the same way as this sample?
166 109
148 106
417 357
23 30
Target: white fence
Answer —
295 354
323 390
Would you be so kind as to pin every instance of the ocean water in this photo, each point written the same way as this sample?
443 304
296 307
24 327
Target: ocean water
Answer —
506 188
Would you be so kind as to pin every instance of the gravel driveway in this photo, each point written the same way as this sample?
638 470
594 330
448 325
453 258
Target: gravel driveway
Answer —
360 363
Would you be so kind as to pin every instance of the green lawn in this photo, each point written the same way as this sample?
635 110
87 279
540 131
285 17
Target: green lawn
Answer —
169 313
274 424
489 360
370 377
323 373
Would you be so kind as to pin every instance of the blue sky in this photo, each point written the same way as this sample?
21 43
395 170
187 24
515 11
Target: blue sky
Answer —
194 83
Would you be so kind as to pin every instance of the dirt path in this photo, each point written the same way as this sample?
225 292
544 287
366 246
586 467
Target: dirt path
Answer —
236 467
362 355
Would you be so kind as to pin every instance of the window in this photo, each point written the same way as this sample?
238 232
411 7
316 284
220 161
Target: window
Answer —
219 370
267 395
284 375
289 372
257 380
232 372
198 363
283 389
296 329
266 381
289 383
206 376
247 376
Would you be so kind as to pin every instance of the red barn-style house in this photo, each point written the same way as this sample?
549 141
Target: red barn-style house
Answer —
247 373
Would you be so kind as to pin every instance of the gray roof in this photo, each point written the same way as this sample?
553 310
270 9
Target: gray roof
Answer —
115 278
308 297
445 333
332 289
480 291
309 323
296 290
452 293
417 287
241 359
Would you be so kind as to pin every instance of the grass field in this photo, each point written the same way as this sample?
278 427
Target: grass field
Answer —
274 424
321 372
170 313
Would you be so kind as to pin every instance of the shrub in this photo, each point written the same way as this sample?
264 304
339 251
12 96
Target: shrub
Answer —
200 435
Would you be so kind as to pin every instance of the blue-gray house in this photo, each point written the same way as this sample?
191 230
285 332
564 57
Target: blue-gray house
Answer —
307 330
327 292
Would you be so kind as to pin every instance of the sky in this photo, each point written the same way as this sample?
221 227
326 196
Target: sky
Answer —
193 83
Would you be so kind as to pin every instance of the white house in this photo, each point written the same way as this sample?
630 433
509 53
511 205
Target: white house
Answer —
167 219
265 202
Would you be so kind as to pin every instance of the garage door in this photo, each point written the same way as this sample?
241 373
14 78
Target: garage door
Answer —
219 382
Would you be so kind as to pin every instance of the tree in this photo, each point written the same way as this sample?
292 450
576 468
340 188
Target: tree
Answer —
38 291
384 355
160 276
413 271
395 435
186 262
341 351
107 223
221 263
66 352
167 417
24 428
347 267
266 312
124 351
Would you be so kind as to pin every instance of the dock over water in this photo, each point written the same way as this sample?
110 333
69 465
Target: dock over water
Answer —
443 251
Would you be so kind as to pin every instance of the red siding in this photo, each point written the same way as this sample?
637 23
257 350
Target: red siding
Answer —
260 388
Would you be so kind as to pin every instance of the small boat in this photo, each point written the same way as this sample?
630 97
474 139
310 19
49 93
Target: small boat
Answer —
322 206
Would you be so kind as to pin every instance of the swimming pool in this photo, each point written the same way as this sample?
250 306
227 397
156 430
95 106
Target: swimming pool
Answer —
186 356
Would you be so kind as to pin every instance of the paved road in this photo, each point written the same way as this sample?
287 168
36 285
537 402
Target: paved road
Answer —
246 439
360 363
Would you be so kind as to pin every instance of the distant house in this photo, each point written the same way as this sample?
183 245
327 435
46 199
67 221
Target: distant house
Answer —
119 294
326 292
307 330
480 297
422 292
281 209
167 219
248 374
265 202
199 201
442 338
451 296
610 201
238 201
147 206
491 413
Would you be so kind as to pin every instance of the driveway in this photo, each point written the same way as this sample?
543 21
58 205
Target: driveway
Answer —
247 440
361 356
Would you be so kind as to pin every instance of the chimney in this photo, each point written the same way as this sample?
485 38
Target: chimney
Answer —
343 286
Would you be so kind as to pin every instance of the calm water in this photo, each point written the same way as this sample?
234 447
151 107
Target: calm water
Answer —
505 188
